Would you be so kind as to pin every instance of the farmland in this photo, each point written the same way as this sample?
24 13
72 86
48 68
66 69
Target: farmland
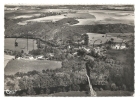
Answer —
22 44
61 51
24 66
101 38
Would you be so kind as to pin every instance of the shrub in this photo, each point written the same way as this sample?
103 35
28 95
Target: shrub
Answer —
31 91
113 87
41 91
101 89
59 90
63 89
75 87
87 88
48 91
69 88
24 94
107 86
124 87
96 89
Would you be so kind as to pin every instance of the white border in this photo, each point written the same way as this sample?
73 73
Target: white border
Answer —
137 41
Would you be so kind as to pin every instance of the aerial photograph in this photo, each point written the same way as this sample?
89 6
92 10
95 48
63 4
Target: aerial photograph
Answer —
69 50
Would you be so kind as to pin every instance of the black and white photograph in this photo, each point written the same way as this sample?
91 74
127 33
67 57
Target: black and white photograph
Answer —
69 50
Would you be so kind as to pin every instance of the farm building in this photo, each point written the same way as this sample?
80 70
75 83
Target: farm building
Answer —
119 46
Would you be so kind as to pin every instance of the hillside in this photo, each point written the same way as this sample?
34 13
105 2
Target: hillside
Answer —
62 26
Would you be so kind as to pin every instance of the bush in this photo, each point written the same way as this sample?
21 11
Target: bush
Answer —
113 87
24 94
59 90
124 87
31 91
101 89
48 91
87 88
107 87
69 88
63 89
41 91
96 89
75 87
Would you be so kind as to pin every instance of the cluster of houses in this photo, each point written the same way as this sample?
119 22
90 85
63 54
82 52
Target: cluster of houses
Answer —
118 46
38 57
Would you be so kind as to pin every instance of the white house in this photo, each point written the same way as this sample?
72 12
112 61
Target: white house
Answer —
119 46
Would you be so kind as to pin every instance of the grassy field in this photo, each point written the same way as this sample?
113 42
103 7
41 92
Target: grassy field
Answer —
15 66
84 94
107 17
89 17
101 38
22 44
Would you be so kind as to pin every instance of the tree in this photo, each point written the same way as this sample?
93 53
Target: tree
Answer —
31 91
47 91
75 87
59 89
42 91
22 51
113 86
86 39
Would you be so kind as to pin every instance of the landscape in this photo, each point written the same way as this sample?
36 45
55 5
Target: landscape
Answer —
69 50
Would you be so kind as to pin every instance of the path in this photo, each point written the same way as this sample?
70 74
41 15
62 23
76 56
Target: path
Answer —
92 92
7 58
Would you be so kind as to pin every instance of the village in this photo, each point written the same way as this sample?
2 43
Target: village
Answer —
98 48
69 50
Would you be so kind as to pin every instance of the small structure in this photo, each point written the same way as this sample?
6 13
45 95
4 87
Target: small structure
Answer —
119 46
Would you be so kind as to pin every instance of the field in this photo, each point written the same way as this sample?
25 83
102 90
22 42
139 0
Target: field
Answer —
101 38
62 27
22 44
108 17
83 94
85 17
15 66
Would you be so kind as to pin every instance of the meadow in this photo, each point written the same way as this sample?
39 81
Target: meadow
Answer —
9 43
85 17
24 66
101 38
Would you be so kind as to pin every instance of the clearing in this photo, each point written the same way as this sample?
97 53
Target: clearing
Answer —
9 43
101 38
107 17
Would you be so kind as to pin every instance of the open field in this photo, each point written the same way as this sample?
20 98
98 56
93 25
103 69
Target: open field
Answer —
58 17
101 38
27 16
108 17
83 94
22 44
89 17
15 66
60 33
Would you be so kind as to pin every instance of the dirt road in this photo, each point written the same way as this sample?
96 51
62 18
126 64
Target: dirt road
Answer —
7 58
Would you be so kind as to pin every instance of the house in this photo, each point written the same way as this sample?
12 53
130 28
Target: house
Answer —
119 46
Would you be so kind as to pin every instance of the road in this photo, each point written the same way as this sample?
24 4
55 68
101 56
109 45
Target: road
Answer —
7 58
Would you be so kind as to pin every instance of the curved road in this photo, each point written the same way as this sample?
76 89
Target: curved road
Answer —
7 58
